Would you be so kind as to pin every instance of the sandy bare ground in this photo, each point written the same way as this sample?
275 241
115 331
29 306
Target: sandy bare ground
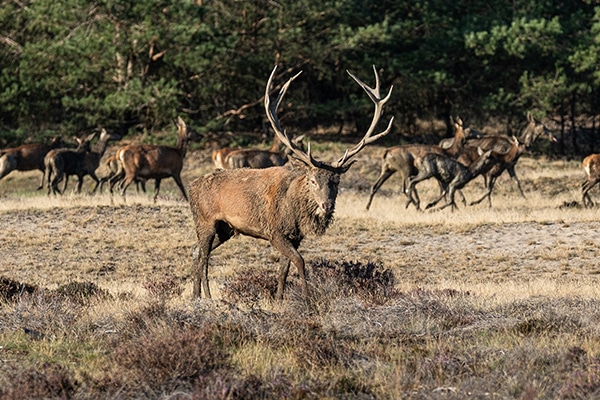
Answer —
118 244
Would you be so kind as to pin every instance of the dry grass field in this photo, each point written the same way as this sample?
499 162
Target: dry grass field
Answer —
500 303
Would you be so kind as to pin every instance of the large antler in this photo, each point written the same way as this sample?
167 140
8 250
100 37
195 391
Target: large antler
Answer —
306 157
375 96
271 109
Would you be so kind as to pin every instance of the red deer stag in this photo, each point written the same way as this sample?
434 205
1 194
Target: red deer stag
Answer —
402 159
156 162
278 204
501 144
591 166
27 157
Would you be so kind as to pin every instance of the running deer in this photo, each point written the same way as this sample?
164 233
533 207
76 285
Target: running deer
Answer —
532 131
278 204
146 161
507 160
27 157
591 166
453 175
403 158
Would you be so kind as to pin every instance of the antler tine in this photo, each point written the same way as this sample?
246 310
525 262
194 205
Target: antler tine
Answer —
271 110
376 98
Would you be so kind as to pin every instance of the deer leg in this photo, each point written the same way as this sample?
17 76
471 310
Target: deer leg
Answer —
288 250
201 256
156 189
58 176
95 178
7 165
180 185
385 174
585 188
42 182
410 189
488 193
513 175
79 183
66 178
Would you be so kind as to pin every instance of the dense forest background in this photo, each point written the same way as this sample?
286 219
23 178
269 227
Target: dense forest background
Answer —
75 65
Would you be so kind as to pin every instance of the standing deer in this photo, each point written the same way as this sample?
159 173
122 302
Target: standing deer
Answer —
403 158
61 162
499 143
278 204
591 166
27 157
80 167
146 161
113 166
275 156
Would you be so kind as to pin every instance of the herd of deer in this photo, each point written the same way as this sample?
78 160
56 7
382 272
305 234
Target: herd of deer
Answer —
259 194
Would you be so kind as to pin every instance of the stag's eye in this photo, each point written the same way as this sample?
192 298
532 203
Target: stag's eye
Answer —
313 182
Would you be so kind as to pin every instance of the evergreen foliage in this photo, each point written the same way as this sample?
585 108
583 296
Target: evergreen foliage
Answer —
72 66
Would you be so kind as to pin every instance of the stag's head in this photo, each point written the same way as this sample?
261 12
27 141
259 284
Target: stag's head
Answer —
323 178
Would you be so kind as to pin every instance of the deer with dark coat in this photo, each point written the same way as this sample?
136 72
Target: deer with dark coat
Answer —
403 158
80 167
144 161
59 163
278 204
27 157
452 175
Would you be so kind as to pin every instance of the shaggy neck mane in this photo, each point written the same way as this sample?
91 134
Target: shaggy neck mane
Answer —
306 210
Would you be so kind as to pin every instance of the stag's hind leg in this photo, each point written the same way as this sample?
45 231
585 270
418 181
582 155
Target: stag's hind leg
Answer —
208 240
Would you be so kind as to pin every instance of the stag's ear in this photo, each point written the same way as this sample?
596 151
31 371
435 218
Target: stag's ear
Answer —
529 116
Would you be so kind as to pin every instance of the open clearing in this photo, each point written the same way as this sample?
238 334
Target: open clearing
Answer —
112 241
500 302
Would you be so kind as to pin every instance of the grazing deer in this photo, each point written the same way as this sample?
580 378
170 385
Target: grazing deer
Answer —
499 143
403 158
275 156
278 204
27 157
59 162
146 161
591 166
